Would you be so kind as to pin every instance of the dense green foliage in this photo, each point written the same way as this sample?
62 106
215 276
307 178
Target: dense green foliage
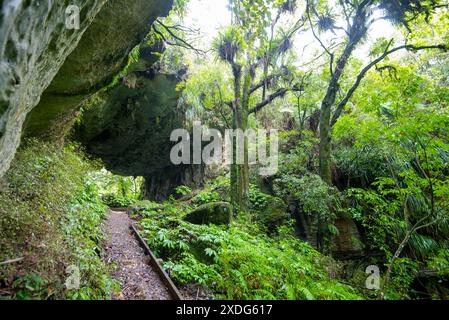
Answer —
363 119
50 213
363 175
403 148
239 261
117 191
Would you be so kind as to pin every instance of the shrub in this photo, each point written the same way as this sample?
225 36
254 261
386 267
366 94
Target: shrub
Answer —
206 197
113 200
183 190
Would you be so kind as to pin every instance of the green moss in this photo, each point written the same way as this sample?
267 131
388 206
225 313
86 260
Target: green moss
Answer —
53 117
218 213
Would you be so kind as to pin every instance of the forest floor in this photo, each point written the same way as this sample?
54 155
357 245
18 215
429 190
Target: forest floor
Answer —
138 281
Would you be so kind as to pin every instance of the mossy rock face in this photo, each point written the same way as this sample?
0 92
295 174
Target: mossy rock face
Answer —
34 44
38 53
129 127
273 214
219 213
348 239
98 58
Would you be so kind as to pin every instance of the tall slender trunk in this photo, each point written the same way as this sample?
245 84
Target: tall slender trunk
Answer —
234 166
325 142
240 167
236 181
245 114
356 33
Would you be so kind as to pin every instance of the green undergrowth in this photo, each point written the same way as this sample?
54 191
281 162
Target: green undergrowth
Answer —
50 213
239 261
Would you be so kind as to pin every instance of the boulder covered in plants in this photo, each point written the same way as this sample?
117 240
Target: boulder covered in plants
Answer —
270 211
219 213
274 213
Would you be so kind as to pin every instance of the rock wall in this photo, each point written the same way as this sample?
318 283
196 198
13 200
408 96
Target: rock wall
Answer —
346 243
35 45
129 126
163 182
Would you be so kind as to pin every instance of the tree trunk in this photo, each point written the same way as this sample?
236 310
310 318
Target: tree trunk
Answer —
325 143
245 114
356 33
236 181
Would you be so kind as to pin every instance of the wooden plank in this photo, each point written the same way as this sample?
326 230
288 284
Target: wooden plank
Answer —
174 292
